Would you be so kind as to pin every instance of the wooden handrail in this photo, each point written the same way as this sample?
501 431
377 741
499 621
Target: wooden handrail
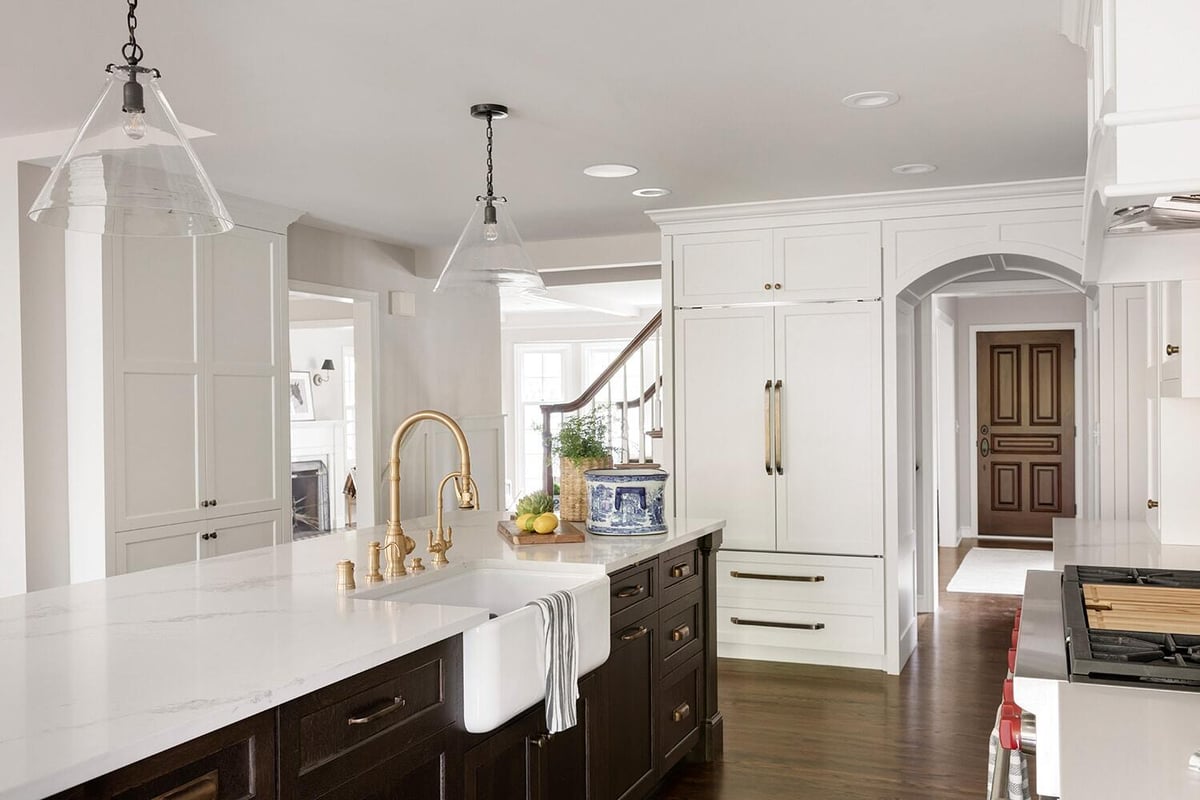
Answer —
589 394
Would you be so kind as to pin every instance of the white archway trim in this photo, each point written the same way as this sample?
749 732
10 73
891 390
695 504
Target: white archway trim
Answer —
973 401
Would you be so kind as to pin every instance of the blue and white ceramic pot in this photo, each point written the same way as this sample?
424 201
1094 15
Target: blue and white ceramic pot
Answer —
626 502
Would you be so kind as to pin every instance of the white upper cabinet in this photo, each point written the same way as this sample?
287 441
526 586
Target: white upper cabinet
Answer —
723 422
725 268
1178 340
806 262
829 361
828 262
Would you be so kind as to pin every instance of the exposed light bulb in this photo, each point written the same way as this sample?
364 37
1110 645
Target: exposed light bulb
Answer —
135 125
490 233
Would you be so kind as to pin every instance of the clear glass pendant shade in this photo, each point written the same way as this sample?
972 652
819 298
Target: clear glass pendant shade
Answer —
490 257
131 174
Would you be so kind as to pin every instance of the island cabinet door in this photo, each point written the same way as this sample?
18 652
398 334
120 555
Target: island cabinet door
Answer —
630 686
427 770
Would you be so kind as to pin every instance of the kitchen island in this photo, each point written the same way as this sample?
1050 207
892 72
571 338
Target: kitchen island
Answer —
1117 543
100 675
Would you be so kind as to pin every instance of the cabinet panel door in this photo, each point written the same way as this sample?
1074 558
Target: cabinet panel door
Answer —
569 765
244 287
159 456
156 547
505 765
243 458
156 293
722 422
245 532
722 268
831 487
829 262
630 686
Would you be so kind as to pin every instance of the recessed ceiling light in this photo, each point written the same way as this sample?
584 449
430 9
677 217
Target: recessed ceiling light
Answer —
875 99
913 169
610 170
651 191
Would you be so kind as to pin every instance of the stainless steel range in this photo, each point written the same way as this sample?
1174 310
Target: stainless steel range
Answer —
1114 713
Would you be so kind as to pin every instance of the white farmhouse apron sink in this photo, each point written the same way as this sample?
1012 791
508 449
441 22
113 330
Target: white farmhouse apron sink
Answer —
502 662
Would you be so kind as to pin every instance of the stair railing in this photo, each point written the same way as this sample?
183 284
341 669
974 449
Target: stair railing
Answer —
633 401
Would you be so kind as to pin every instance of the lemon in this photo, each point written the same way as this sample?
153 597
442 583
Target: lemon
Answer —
525 522
546 523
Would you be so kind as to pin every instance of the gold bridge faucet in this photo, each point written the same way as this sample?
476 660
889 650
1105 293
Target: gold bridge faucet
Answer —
397 545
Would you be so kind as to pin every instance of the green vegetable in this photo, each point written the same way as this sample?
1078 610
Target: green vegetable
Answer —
535 503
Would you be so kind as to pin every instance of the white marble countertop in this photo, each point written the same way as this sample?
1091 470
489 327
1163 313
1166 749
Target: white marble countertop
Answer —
1117 543
98 675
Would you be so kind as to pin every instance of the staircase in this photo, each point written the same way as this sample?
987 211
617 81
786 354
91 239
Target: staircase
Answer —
629 392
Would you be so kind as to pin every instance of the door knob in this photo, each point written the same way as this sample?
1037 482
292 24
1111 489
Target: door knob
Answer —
767 286
1151 504
779 286
1172 349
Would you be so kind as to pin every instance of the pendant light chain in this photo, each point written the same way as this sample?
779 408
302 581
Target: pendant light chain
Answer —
131 50
490 193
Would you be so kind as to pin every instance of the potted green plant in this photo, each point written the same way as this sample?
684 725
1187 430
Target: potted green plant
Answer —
580 444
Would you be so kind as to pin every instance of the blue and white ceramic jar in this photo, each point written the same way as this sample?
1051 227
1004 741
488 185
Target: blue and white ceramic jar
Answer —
625 502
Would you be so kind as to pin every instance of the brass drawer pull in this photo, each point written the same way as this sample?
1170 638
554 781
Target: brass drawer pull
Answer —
681 570
681 633
799 626
634 633
682 712
631 591
396 704
763 576
205 787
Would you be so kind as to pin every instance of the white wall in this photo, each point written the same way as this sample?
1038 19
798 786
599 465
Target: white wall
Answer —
309 349
446 357
1024 309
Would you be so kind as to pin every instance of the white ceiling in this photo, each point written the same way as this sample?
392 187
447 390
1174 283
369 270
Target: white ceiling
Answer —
357 112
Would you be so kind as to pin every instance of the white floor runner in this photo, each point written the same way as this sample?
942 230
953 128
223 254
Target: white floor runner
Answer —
989 570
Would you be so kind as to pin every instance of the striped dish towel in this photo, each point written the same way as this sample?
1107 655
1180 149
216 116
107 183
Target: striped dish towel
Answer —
1016 782
560 654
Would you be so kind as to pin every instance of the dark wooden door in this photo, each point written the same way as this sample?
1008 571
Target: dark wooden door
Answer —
630 687
1025 440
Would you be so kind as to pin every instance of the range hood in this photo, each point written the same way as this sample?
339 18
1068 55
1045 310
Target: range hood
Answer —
1142 201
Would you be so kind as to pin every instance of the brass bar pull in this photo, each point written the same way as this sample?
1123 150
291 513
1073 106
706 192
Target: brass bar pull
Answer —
778 427
631 591
800 626
681 633
767 426
206 787
1152 504
681 712
1172 349
764 576
681 570
634 633
396 704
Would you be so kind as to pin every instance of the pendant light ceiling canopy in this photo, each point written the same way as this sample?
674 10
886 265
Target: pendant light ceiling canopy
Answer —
130 170
489 255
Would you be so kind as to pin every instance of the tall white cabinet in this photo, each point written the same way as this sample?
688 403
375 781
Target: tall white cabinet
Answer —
777 427
193 443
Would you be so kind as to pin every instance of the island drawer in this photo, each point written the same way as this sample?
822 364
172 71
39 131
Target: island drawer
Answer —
681 628
845 629
633 593
747 578
680 571
680 712
367 718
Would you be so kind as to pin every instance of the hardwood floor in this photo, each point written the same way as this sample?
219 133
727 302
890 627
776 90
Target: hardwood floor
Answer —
818 732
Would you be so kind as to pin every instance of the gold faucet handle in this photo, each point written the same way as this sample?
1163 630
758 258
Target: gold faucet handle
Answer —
449 537
373 575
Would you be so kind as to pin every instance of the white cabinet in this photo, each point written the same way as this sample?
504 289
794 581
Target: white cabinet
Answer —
828 361
1178 340
778 425
147 548
243 532
723 426
807 262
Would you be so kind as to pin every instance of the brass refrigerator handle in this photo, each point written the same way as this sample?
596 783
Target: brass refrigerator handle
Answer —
767 426
778 427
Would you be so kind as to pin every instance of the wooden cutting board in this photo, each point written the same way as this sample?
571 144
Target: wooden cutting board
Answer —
1146 609
565 533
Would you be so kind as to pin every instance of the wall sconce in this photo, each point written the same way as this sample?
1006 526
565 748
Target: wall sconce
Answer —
324 374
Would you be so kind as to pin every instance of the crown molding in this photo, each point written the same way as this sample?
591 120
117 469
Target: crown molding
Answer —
1066 191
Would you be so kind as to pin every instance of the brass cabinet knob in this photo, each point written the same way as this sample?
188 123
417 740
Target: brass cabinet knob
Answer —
1172 349
1151 504
767 286
779 286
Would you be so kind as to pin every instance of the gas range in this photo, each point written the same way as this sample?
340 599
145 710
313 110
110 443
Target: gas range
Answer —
1094 695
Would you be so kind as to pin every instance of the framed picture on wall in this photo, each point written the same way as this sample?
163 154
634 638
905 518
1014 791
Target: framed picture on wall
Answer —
300 396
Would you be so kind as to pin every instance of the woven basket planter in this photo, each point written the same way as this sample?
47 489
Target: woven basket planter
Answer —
572 503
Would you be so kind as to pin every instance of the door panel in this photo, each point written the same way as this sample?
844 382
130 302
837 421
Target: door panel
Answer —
246 532
242 453
156 288
726 267
723 363
828 262
831 487
243 293
156 547
1025 444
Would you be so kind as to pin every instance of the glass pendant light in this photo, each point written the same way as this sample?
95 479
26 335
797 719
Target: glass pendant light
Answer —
489 255
130 170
